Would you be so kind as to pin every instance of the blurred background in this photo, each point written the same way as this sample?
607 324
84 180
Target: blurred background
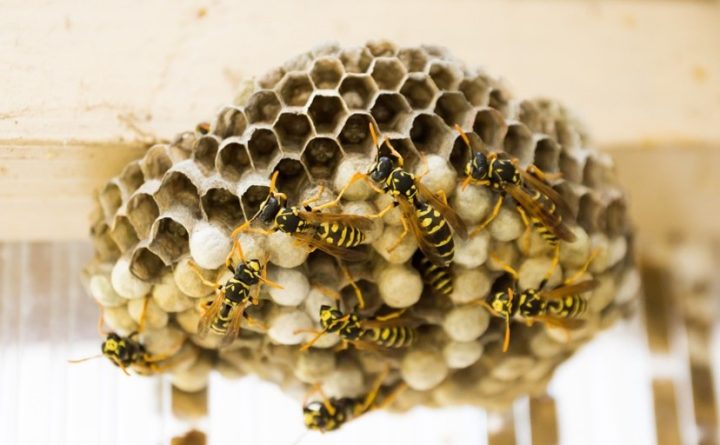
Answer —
87 86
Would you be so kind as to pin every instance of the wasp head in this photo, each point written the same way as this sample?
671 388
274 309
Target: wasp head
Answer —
478 167
271 206
331 319
317 417
501 303
117 350
382 168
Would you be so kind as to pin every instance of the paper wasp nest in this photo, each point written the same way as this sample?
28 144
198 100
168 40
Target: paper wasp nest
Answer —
309 119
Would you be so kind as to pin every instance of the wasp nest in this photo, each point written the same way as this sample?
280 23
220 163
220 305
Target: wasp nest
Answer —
308 119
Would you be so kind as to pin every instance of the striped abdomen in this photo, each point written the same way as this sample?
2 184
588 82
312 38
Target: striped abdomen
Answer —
543 229
437 231
340 235
391 336
571 306
438 278
220 323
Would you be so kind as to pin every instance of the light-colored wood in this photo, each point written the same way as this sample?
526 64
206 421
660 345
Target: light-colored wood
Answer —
88 84
667 423
543 416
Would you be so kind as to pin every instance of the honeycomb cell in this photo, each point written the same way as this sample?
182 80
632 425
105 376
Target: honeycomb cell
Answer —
145 265
547 155
110 199
589 212
233 159
205 151
157 162
142 212
326 112
291 175
519 142
170 239
321 156
295 89
105 248
491 127
252 198
381 48
132 177
262 107
407 150
388 73
391 111
477 90
293 130
453 108
326 73
355 134
569 167
419 90
123 233
271 78
499 101
616 217
430 134
230 122
460 154
356 60
446 75
300 62
177 189
414 59
219 204
263 147
358 91
592 172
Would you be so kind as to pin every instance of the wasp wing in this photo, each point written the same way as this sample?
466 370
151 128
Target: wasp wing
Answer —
571 289
546 190
550 220
445 210
233 328
408 213
357 221
342 253
210 314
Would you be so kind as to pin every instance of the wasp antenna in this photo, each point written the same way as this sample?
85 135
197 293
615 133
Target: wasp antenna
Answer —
273 182
463 136
85 359
373 134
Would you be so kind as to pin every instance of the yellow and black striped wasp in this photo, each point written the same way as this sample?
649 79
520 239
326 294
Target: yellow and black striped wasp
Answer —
382 331
333 233
330 414
224 315
562 306
425 214
438 278
538 204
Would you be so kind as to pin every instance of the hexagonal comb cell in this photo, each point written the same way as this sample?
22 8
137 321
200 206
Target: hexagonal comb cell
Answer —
293 130
414 59
499 100
142 212
221 205
518 142
252 198
589 213
262 107
233 159
230 122
271 78
123 233
547 155
110 199
321 156
453 108
132 177
390 111
476 90
388 73
355 134
490 126
145 265
177 189
357 91
460 153
447 76
326 73
616 217
430 134
407 150
295 89
170 240
419 90
381 48
263 147
157 162
291 175
356 60
105 248
205 151
326 112
569 167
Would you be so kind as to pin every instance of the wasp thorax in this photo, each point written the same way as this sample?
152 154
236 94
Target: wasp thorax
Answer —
478 168
250 274
382 169
270 208
505 171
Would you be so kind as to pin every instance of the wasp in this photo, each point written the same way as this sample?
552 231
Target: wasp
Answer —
427 215
334 234
438 278
224 315
563 306
538 204
330 414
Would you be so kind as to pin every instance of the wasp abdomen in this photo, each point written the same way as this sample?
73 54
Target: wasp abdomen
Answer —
437 277
392 336
437 231
340 235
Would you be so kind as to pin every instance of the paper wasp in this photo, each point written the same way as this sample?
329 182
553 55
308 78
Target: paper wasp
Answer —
334 234
425 214
438 278
562 306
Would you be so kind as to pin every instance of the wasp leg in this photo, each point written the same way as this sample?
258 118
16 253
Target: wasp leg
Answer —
355 178
382 212
335 295
489 219
391 315
505 266
390 398
251 321
315 197
264 280
312 341
356 289
506 341
541 175
236 247
402 236
528 229
141 322
203 280
372 395
584 267
553 265
424 161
